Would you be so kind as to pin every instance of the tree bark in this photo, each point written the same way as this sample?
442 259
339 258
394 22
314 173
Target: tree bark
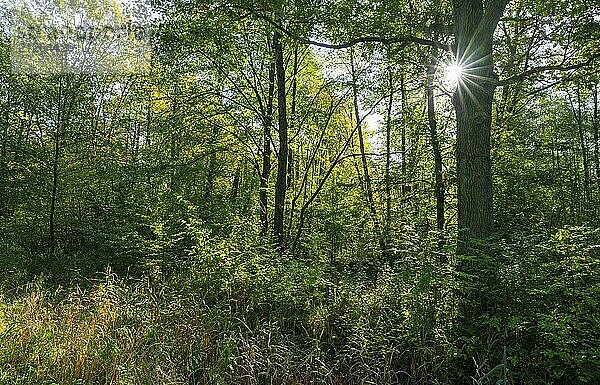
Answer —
437 153
212 166
473 106
577 114
266 155
596 144
55 171
479 278
292 123
4 206
388 182
282 161
403 124
55 162
235 185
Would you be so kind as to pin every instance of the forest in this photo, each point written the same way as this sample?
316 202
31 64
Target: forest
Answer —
299 192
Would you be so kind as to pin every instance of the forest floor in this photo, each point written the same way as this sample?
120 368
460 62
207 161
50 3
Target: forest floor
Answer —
242 316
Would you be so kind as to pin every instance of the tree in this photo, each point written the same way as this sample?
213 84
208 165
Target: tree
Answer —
368 185
439 188
475 23
282 155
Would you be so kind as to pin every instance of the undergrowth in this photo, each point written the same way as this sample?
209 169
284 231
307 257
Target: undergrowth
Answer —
236 314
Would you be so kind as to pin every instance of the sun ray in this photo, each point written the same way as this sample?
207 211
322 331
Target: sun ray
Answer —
454 72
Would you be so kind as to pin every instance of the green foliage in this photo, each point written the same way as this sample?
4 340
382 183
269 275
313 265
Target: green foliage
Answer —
131 242
233 313
554 290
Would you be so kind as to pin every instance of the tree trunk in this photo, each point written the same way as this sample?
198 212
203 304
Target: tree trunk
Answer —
388 182
4 206
55 161
235 185
266 155
55 171
584 153
596 150
292 168
403 123
584 156
211 171
363 156
292 123
473 105
479 279
282 161
437 153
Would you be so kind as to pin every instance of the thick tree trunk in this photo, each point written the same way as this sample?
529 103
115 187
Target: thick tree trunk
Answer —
282 161
437 153
479 279
473 105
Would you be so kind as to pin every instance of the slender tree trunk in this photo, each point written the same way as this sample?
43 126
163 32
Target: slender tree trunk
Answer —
4 206
55 168
437 153
282 161
363 156
404 121
148 121
266 155
584 156
584 153
596 138
212 166
309 199
55 162
388 182
557 154
292 168
174 139
235 185
292 123
149 101
576 185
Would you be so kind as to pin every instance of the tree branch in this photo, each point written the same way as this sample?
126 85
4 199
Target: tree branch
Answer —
494 9
558 67
402 40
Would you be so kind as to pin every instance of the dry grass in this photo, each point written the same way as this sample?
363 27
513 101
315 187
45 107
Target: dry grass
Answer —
99 336
284 329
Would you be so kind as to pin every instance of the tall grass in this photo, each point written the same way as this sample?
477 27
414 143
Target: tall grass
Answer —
226 318
235 314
